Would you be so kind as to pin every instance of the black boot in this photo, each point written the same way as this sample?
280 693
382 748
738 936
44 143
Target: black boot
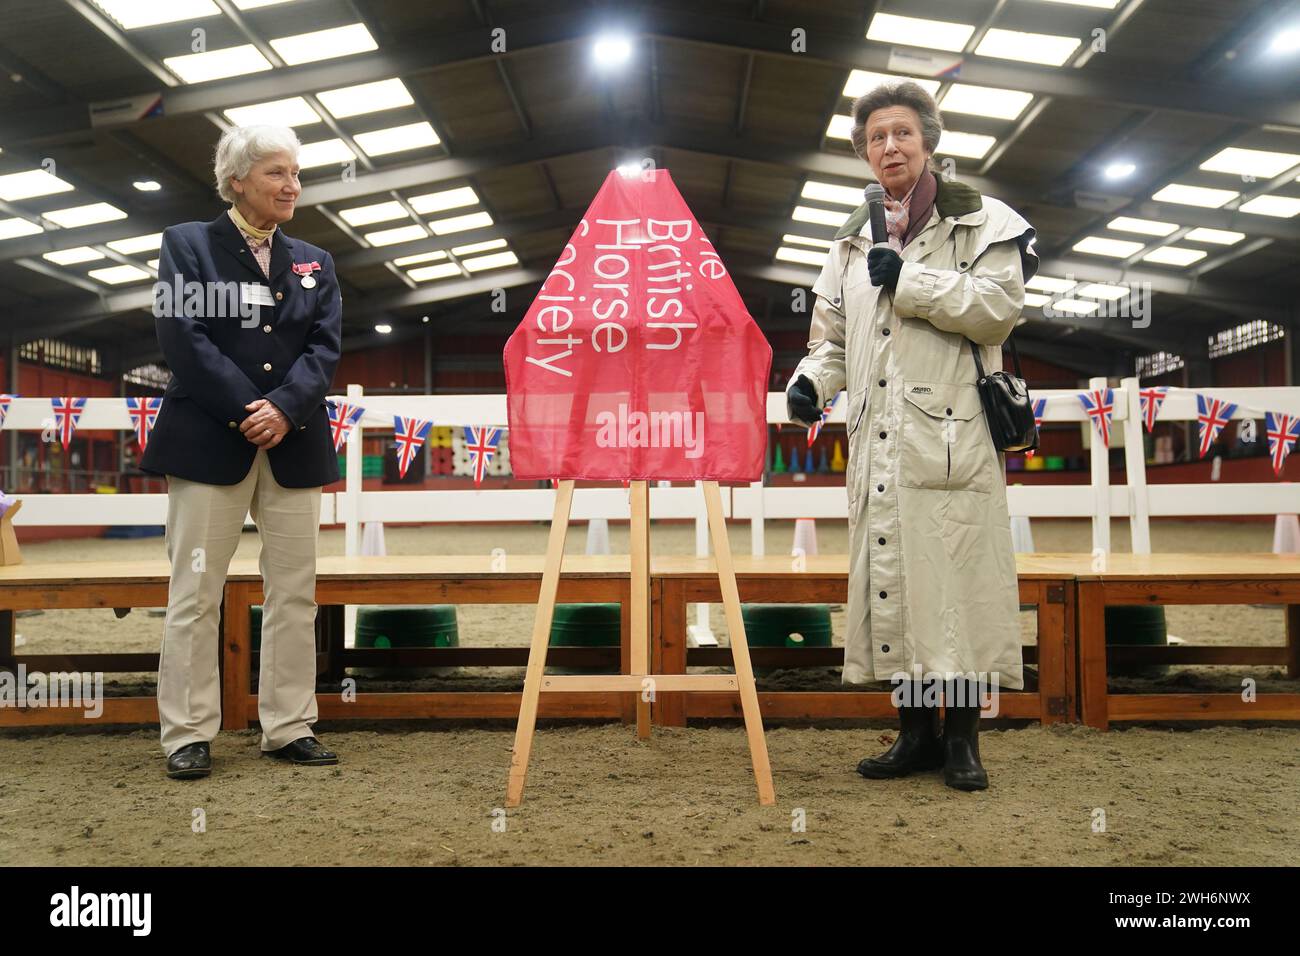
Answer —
918 746
962 769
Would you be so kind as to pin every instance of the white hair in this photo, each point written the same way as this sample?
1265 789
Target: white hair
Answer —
242 146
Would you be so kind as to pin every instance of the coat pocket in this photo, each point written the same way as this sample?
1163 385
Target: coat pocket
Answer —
946 444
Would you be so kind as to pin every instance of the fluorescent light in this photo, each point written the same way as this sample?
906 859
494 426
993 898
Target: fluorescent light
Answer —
1102 290
1119 170
257 4
985 101
1220 237
914 31
494 261
1036 300
386 237
840 127
1174 256
28 185
1195 195
324 44
1099 4
1045 48
806 241
803 256
367 98
472 220
1100 246
325 152
133 14
969 145
864 81
383 328
116 275
153 264
71 257
397 138
824 217
828 192
217 64
1146 227
1075 306
1282 206
1250 162
420 257
1050 284
294 111
136 244
478 247
147 185
87 215
611 51
446 199
13 228
1286 41
444 271
377 212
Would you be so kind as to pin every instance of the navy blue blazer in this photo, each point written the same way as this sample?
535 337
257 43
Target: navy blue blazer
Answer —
222 357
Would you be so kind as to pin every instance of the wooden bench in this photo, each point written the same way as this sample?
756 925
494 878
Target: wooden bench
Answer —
1186 579
1046 581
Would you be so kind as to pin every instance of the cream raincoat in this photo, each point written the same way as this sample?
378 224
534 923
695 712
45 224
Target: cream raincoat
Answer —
932 579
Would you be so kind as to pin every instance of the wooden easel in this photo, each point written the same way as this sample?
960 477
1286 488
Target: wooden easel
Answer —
536 682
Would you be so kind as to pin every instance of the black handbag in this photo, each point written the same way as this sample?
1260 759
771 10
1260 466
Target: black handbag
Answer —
1007 407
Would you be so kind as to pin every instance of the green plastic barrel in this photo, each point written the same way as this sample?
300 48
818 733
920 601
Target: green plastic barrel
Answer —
255 625
586 625
787 625
1136 625
401 626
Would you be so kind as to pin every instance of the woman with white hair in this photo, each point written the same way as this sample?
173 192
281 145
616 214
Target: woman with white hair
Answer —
905 321
249 322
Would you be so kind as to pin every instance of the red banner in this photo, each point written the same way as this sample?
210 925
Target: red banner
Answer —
638 359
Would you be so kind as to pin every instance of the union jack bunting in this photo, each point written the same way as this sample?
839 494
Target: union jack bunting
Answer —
67 412
1283 430
4 407
144 413
342 418
1100 406
1152 397
1039 406
815 429
1211 415
410 434
481 443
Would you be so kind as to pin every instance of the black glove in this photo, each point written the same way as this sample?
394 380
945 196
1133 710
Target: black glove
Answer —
884 265
801 402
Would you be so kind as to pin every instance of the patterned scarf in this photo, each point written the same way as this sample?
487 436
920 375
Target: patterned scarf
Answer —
899 221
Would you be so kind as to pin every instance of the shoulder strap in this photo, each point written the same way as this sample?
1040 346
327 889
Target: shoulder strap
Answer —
1015 357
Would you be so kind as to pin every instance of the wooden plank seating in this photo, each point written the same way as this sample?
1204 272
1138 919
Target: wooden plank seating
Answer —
1186 579
1046 581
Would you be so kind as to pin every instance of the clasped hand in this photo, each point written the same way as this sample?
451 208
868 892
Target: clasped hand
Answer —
266 426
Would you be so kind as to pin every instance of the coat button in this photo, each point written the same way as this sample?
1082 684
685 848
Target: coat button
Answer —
880 487
266 367
881 383
884 594
266 328
947 411
231 425
882 434
884 648
884 331
835 301
880 541
279 296
962 265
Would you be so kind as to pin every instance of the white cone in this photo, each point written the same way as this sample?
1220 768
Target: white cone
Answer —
1022 538
598 536
805 536
1286 534
372 540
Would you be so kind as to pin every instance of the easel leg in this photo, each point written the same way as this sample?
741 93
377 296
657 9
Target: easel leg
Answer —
640 546
541 637
739 645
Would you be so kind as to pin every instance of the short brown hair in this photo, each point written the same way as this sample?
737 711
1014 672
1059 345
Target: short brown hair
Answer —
903 93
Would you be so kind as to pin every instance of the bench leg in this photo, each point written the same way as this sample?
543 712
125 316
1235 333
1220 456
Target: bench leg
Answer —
8 653
1052 644
1293 641
1091 613
236 657
670 650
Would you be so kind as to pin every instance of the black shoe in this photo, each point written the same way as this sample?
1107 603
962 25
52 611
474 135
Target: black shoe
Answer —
190 762
306 751
962 769
918 746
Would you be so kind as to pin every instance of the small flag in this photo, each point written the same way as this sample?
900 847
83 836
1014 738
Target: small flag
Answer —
1282 430
481 443
1040 407
815 429
144 413
4 407
1100 406
410 434
1152 398
1211 415
342 418
67 412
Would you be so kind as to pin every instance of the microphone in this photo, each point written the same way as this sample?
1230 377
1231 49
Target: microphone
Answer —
875 196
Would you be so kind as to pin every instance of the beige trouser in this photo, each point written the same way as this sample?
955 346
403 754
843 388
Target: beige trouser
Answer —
203 527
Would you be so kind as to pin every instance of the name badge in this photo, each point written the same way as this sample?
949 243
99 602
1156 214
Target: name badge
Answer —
255 293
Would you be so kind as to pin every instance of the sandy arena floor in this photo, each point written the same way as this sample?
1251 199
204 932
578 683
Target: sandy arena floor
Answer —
407 794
